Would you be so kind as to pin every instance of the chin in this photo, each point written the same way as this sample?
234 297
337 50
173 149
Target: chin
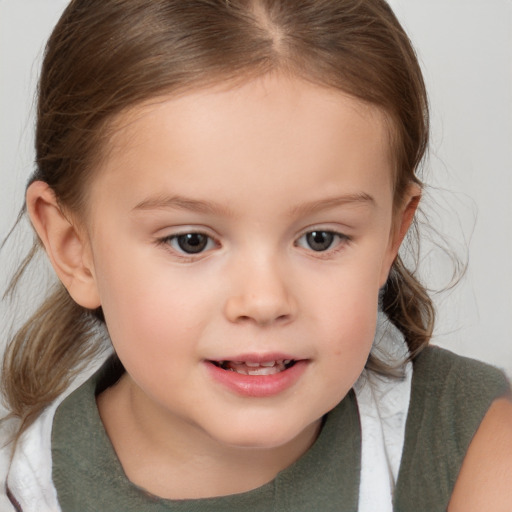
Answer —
267 436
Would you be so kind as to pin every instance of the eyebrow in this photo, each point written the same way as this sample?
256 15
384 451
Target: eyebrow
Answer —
181 203
332 202
161 202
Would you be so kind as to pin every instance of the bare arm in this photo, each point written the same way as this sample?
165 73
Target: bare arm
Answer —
485 479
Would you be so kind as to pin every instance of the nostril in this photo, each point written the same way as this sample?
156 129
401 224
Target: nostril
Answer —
260 306
262 319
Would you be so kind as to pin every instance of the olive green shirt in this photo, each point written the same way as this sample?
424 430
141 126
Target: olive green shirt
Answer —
449 397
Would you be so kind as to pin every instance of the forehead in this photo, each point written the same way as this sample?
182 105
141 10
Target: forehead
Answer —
270 129
264 98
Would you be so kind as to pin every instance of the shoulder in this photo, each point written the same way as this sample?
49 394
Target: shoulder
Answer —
451 394
437 367
484 482
450 397
29 479
454 388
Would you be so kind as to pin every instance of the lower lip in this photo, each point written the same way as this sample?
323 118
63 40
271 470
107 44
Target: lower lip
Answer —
258 385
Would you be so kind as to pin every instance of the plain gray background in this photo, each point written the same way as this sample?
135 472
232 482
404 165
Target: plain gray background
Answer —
465 47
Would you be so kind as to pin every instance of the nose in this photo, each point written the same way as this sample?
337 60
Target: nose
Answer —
260 294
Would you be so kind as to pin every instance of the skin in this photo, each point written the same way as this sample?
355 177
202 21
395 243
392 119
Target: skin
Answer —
254 169
484 481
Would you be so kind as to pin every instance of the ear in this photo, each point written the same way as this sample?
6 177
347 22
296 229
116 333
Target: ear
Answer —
402 221
67 248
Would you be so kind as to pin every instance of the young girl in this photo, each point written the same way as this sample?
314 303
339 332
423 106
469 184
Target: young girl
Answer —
223 186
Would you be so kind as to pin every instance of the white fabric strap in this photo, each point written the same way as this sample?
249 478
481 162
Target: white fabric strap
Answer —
30 472
383 404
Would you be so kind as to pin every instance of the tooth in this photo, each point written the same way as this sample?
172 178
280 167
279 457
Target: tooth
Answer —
263 371
287 361
252 365
269 363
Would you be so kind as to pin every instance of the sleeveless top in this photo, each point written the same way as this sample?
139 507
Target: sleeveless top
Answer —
449 397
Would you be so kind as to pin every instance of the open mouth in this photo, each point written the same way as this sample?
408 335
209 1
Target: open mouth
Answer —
250 368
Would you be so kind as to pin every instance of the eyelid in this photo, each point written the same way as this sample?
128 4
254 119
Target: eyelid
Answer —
165 241
343 241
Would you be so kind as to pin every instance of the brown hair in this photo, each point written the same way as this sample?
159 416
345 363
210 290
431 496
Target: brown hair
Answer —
105 56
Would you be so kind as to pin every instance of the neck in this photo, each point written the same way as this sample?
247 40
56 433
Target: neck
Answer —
177 460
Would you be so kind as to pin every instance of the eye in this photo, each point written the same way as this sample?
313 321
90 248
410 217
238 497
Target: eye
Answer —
320 240
190 243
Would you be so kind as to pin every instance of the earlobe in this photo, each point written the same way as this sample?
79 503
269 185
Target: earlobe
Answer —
66 247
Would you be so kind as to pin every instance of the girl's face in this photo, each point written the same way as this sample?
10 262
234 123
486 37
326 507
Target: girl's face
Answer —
238 239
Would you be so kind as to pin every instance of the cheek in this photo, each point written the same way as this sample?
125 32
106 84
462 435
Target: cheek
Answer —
352 331
140 303
347 317
154 313
349 295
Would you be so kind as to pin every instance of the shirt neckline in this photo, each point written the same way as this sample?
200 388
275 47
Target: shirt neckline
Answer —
87 470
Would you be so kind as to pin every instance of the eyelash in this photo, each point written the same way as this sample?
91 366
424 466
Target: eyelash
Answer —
171 240
337 242
173 243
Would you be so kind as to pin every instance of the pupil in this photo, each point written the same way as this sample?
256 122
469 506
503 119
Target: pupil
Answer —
320 240
192 243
